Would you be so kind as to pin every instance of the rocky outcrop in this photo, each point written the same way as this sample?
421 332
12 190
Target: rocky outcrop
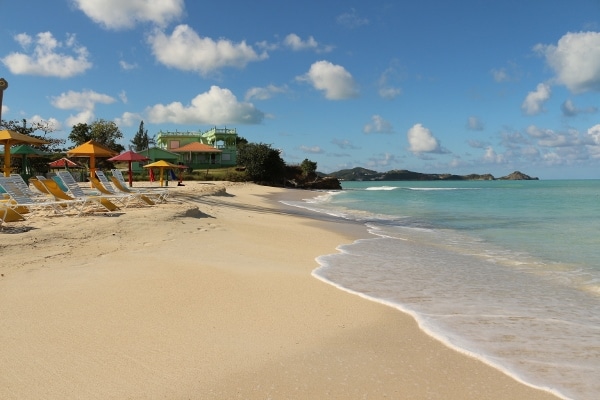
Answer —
517 176
362 174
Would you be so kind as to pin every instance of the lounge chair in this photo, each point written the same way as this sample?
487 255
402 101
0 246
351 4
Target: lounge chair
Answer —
77 192
123 199
160 194
140 197
21 199
8 214
53 188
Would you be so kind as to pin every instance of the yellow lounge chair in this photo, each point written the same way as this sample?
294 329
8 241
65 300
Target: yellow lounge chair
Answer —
54 189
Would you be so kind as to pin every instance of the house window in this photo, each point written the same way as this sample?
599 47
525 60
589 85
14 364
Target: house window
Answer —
225 157
174 144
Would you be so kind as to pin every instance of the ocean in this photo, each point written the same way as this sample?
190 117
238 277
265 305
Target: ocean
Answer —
505 271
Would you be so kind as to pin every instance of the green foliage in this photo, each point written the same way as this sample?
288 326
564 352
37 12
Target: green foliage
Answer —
141 141
101 131
262 163
309 168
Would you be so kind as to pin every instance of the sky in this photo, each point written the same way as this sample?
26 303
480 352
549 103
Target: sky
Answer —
468 86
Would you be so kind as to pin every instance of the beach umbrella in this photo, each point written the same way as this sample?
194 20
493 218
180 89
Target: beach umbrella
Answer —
129 156
63 163
91 149
9 138
25 151
161 165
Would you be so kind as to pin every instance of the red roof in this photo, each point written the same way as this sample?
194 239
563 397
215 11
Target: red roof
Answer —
196 147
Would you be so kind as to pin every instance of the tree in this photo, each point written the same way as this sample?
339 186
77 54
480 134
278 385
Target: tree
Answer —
263 163
104 132
309 168
141 140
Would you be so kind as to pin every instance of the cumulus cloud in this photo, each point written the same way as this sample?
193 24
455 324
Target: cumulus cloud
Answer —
344 144
127 66
187 51
421 140
215 107
46 59
534 102
576 60
386 89
492 157
47 124
296 43
5 109
474 124
594 134
128 119
378 125
124 14
334 80
569 110
311 150
351 19
85 102
264 93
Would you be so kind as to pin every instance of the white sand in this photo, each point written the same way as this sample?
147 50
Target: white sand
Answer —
208 297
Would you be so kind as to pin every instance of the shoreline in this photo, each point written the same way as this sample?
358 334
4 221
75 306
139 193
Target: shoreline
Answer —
210 297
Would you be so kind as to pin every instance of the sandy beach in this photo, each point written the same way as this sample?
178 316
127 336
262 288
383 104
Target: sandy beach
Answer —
209 296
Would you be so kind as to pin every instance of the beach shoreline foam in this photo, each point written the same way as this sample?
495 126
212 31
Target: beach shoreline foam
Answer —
209 296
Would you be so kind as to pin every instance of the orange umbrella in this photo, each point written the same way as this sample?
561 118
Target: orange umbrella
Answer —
8 138
91 149
161 165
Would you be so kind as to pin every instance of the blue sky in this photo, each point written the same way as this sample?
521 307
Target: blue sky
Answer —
431 86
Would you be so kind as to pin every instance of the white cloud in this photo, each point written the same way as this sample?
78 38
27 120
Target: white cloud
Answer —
594 134
575 60
84 117
296 43
344 144
386 89
215 107
351 19
127 66
421 140
492 157
569 109
50 124
123 97
378 125
311 150
534 102
474 124
85 100
334 80
265 93
128 119
124 14
5 109
500 75
46 59
187 51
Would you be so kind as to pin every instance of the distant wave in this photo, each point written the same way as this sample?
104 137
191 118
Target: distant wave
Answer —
382 188
427 189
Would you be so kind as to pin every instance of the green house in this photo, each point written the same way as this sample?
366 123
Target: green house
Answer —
155 154
215 148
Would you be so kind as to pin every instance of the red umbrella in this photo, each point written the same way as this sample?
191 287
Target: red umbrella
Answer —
63 163
129 156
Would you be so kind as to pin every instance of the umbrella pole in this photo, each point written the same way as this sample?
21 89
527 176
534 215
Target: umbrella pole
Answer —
7 159
130 176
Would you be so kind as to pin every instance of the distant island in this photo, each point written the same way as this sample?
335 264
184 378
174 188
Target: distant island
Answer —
363 174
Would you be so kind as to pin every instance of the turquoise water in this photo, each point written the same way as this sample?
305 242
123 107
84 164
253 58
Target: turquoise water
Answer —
506 271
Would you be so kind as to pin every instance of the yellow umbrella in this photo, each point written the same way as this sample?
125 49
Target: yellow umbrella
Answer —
161 165
91 149
8 138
